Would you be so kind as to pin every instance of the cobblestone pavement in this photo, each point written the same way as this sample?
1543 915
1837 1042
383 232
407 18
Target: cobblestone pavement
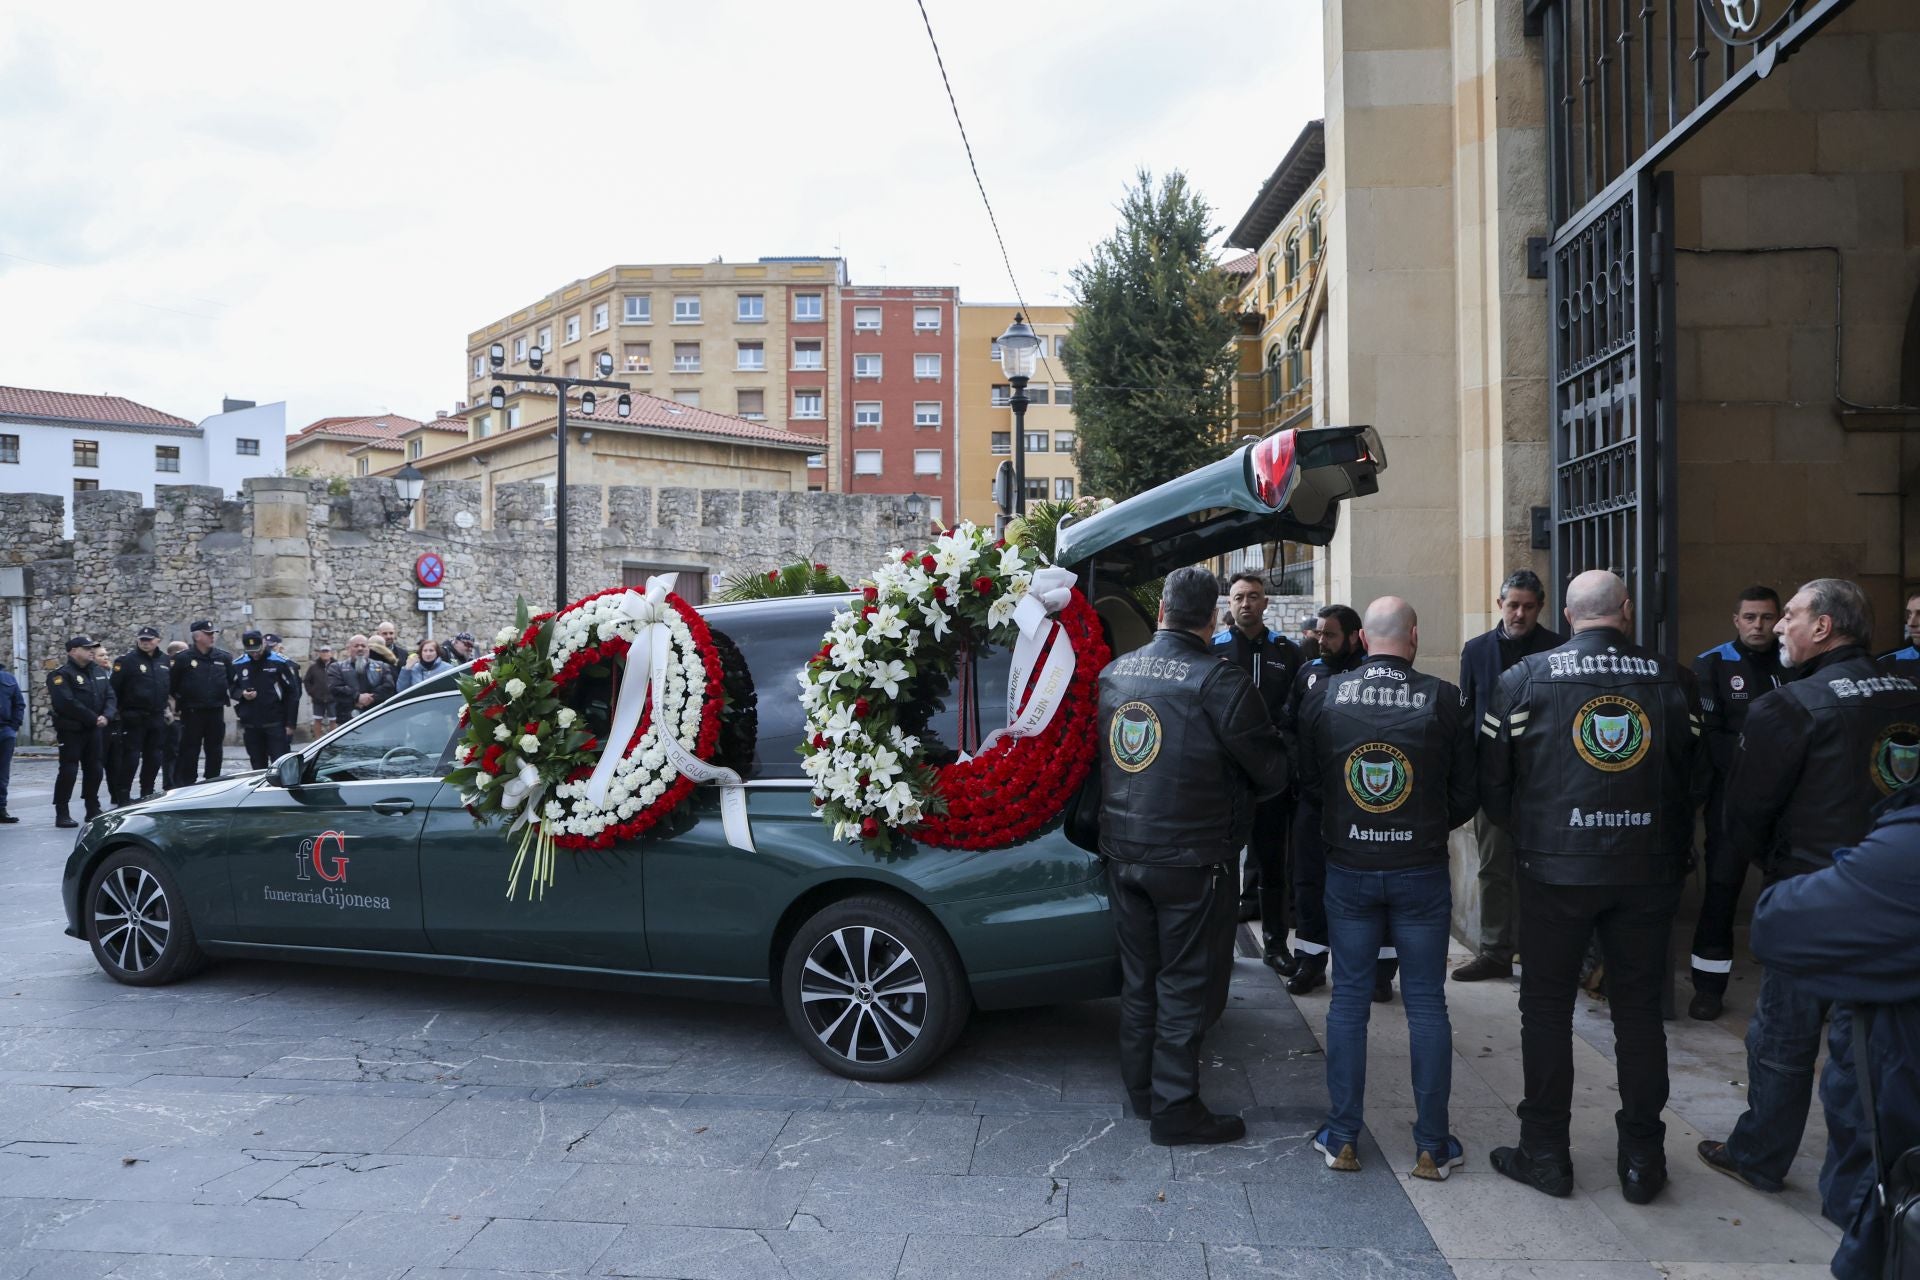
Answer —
279 1120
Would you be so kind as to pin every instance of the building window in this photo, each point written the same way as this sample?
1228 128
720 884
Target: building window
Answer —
1296 367
686 308
926 413
1036 393
91 486
1036 441
937 512
513 417
1293 256
926 462
1063 489
866 413
482 426
1315 241
926 319
166 457
1273 277
806 355
689 396
809 404
600 318
751 403
1036 490
415 448
637 308
479 366
686 357
86 453
1063 393
926 368
751 308
866 319
808 306
866 366
571 369
751 357
815 461
361 466
520 348
993 350
1059 344
10 449
1003 442
572 329
546 338
866 462
1063 442
1002 395
639 357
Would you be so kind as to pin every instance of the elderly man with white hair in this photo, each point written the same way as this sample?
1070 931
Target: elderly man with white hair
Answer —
1589 758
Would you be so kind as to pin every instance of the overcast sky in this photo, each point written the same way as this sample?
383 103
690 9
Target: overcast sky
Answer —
317 203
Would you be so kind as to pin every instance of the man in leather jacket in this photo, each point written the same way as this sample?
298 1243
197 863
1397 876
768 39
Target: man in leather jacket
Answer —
1589 757
80 696
1731 676
142 684
200 695
1816 757
1272 661
1387 757
1188 752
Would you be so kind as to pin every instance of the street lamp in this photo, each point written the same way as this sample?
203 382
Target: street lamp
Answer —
562 386
407 484
916 508
1019 352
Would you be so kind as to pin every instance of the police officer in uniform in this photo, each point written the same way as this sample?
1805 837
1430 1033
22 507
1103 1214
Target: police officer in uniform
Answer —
1588 758
1906 661
200 696
1730 676
142 683
1271 661
266 699
1188 753
1387 757
1816 757
80 694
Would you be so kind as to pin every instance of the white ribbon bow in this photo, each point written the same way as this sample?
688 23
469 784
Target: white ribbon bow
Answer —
654 640
1047 595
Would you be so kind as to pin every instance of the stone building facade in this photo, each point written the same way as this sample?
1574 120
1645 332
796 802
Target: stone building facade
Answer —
291 558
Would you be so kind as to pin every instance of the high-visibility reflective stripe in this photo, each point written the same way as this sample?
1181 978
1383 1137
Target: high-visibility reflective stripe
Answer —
1388 953
1489 731
1309 948
1517 716
1490 719
1518 730
1705 965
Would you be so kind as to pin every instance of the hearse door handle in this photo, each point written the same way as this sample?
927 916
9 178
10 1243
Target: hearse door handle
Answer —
393 806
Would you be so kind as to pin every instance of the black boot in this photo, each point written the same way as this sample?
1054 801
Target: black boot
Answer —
1310 975
1706 1006
7 818
1550 1174
1210 1128
1642 1175
62 818
93 810
1283 962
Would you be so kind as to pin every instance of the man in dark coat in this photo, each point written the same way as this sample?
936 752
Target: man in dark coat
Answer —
1188 753
80 696
142 685
1483 660
13 716
200 695
1851 934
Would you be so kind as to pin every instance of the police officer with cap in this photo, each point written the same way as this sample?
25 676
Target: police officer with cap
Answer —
200 674
1816 758
1588 757
80 693
142 683
1189 750
266 699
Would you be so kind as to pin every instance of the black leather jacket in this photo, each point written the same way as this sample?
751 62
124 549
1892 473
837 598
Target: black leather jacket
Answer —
1590 757
1186 750
142 683
200 679
1387 756
78 696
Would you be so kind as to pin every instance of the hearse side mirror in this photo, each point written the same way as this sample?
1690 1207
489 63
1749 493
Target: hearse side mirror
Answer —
287 770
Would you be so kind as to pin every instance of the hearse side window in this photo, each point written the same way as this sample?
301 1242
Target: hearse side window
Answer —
414 740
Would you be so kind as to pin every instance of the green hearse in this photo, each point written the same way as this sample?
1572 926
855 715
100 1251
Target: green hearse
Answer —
354 851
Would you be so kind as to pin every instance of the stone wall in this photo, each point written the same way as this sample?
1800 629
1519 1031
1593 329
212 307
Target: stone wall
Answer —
292 558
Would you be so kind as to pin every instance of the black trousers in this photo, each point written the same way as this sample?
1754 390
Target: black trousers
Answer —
143 748
1634 923
1175 931
1309 884
1712 958
1269 875
202 730
265 743
82 756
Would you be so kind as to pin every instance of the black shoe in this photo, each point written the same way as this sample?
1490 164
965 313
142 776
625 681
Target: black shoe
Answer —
1310 976
7 818
61 818
1706 1006
1284 963
1642 1176
1140 1104
1211 1128
1552 1176
1482 967
1383 990
119 802
93 811
1716 1157
1249 910
148 795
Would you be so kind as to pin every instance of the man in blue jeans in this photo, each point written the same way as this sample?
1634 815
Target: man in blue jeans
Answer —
1387 759
13 715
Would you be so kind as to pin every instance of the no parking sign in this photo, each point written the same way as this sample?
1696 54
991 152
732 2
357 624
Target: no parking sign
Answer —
430 570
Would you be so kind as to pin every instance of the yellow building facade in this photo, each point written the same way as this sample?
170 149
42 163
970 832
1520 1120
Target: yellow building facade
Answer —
752 340
985 437
1284 234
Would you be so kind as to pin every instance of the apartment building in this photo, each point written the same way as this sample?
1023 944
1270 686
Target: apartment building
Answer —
755 340
899 408
985 437
1284 232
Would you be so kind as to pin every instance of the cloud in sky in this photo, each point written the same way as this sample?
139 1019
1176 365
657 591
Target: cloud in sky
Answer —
318 204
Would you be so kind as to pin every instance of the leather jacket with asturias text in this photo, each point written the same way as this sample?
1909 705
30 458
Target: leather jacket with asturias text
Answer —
1187 749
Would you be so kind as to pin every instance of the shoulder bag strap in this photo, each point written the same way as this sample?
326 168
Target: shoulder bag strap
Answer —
1863 1077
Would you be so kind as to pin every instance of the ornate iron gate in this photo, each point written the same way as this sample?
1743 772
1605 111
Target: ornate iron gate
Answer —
1611 293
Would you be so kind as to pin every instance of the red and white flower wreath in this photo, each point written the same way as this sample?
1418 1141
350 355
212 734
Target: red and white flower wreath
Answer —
871 778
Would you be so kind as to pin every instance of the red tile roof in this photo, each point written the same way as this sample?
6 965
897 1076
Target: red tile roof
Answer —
25 402
1244 265
369 427
670 415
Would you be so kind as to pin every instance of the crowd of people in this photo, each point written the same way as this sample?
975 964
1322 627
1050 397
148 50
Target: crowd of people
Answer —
157 715
1585 765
